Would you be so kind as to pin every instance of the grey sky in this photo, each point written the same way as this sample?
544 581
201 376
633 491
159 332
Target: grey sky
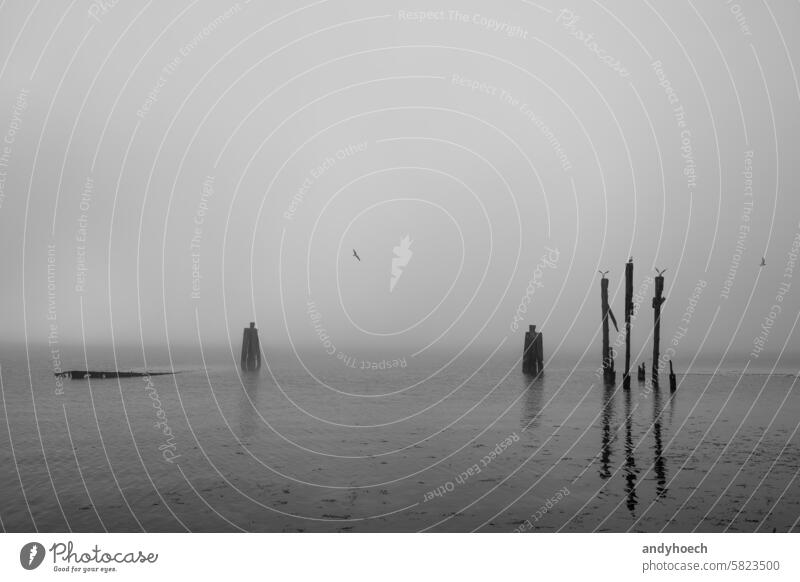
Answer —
278 148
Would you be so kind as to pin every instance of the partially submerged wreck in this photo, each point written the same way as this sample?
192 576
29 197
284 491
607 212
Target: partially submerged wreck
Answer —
100 375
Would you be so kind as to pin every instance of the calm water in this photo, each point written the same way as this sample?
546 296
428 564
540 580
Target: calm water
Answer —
284 453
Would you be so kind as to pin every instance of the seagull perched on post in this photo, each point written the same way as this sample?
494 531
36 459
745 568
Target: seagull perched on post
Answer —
355 254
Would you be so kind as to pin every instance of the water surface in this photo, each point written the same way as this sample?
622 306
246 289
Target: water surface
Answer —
277 451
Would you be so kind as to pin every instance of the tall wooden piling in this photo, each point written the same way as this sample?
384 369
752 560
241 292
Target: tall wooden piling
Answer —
657 301
533 352
628 315
608 358
251 350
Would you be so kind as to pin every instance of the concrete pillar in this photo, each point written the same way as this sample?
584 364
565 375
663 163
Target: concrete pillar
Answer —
251 350
533 352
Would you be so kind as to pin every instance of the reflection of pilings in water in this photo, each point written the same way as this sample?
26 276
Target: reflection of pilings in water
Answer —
250 422
671 409
659 464
630 461
607 417
533 403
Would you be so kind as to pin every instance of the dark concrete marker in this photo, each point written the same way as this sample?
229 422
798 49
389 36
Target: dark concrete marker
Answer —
251 351
533 352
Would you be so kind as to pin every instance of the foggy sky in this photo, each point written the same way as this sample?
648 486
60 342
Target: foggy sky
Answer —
173 171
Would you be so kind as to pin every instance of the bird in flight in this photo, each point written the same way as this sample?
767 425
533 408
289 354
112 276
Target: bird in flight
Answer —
355 254
763 262
603 273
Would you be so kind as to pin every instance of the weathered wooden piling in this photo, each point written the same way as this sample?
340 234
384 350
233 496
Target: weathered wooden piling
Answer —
539 352
628 314
673 381
608 358
251 350
533 352
528 352
657 301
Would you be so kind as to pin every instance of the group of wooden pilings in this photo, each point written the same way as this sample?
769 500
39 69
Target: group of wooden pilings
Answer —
533 357
609 374
251 350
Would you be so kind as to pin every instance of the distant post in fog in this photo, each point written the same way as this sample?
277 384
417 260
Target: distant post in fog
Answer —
673 382
628 314
251 350
533 352
657 301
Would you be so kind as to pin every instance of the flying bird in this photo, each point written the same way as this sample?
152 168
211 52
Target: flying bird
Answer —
763 262
603 273
661 272
355 254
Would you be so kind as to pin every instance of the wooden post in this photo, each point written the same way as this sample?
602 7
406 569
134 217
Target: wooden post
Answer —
527 350
657 301
642 372
251 350
608 359
673 382
533 354
628 314
539 352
